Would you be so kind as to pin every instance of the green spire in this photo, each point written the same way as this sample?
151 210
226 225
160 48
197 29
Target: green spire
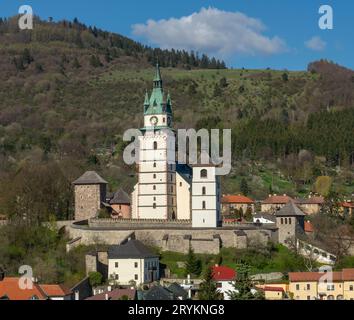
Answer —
158 78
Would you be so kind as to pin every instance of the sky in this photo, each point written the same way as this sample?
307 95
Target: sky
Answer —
277 34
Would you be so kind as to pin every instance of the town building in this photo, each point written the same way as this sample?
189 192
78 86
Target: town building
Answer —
274 203
347 208
10 289
264 218
337 285
115 294
311 205
274 293
224 278
132 263
234 204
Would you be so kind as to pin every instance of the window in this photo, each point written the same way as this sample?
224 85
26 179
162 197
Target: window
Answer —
154 176
154 187
204 174
155 145
171 177
204 191
308 297
308 287
180 184
289 220
351 288
116 276
282 221
286 220
154 198
171 188
136 277
203 205
135 264
154 164
154 205
297 287
116 264
164 119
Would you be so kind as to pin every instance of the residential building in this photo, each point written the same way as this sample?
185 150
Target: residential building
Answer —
275 202
116 294
337 285
173 292
224 278
132 263
231 204
274 293
347 208
10 289
264 218
311 205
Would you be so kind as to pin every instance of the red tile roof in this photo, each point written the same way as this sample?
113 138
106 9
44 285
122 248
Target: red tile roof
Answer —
55 290
115 294
273 289
236 199
344 275
10 288
311 200
308 226
222 273
278 200
348 204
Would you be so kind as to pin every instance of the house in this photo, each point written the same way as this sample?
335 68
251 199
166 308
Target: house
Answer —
178 291
120 204
337 285
308 227
231 204
274 203
10 289
274 293
159 293
311 205
132 262
347 208
224 277
264 218
115 294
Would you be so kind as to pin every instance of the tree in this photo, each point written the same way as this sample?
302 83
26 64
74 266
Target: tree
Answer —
323 185
193 264
285 77
244 187
243 285
208 289
95 279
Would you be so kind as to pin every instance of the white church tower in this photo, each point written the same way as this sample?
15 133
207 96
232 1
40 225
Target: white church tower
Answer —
205 197
155 193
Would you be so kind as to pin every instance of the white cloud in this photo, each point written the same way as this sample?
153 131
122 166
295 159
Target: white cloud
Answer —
211 31
316 44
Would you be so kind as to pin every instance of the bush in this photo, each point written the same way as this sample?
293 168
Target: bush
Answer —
95 279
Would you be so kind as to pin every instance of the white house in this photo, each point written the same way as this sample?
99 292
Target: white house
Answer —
224 278
132 262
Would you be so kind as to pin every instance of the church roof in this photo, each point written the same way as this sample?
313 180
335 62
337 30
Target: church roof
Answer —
90 177
290 210
158 103
130 250
120 197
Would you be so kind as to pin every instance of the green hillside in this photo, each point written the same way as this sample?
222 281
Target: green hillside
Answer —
68 92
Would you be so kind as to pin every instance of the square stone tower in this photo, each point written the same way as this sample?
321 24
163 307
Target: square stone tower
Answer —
290 223
90 193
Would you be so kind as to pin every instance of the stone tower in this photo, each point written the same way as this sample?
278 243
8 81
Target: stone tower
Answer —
156 189
90 193
205 197
290 223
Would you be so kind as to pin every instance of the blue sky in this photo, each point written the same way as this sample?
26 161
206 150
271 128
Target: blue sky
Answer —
281 34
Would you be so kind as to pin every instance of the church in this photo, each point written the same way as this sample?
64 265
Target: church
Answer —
166 190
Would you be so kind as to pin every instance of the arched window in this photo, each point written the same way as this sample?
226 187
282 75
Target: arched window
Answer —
289 220
154 176
154 187
204 173
282 221
155 145
204 191
204 205
154 205
286 220
154 164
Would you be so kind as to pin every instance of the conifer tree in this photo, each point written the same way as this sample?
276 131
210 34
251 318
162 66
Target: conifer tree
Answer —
208 289
193 264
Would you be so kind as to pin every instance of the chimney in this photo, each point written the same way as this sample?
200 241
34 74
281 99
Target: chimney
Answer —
77 295
106 296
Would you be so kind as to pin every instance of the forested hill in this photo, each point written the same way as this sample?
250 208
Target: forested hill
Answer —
68 92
